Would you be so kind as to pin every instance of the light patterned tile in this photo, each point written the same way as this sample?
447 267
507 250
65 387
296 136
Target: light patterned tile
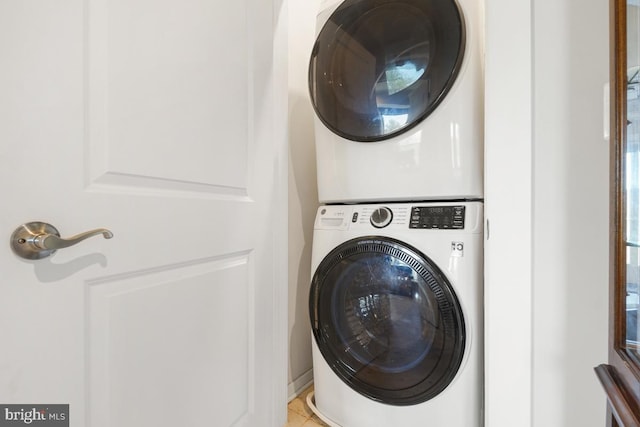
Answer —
295 420
318 421
312 423
300 406
299 413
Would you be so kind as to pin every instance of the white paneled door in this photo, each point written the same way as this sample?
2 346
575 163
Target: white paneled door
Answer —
161 121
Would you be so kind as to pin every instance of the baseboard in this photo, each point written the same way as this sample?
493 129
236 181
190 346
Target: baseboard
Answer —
300 384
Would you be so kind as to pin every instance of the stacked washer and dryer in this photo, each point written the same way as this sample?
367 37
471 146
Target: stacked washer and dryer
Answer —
396 298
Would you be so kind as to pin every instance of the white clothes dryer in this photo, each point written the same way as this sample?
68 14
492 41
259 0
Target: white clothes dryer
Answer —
397 88
396 313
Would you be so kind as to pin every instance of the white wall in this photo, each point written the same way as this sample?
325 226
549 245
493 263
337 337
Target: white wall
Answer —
547 178
303 194
570 211
508 209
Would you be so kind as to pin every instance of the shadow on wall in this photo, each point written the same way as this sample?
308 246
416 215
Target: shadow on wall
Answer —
303 202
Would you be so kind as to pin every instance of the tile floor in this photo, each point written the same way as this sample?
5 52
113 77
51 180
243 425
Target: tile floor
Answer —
299 413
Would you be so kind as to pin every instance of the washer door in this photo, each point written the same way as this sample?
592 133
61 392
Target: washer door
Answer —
379 67
387 320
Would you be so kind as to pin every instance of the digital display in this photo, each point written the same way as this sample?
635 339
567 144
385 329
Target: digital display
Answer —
437 217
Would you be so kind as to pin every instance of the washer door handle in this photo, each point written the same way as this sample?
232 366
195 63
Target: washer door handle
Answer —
37 240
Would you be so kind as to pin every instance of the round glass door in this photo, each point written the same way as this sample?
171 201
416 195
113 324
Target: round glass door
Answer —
379 67
387 320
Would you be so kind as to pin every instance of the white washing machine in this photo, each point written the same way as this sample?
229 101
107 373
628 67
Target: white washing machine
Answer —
397 87
396 314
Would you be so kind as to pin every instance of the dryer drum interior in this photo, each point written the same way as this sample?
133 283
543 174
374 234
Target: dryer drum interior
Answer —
379 67
387 320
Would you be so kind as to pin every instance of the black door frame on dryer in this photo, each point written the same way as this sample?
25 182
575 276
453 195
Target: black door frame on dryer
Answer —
378 68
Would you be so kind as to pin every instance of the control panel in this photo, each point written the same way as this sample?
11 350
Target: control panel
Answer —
424 216
437 217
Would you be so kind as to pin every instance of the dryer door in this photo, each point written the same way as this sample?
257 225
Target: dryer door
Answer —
379 67
387 320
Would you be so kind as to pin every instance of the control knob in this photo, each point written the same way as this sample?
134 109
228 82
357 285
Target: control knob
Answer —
381 217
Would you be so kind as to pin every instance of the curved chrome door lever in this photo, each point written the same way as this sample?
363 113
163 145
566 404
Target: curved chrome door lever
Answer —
37 240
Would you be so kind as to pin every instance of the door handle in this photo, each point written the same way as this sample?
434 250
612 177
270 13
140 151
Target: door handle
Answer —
37 240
